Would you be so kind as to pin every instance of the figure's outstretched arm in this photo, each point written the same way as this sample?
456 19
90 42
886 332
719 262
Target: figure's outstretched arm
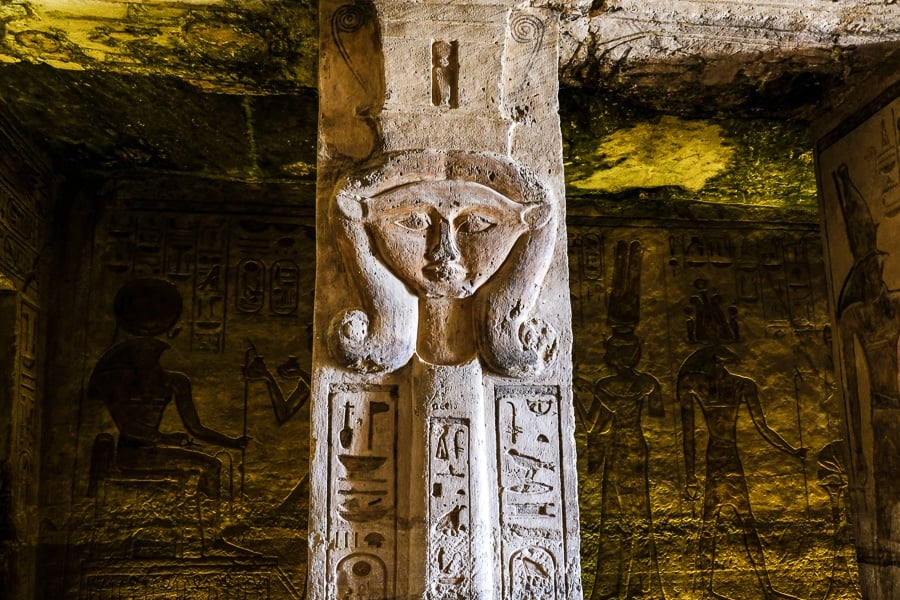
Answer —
750 395
286 407
589 411
255 369
184 401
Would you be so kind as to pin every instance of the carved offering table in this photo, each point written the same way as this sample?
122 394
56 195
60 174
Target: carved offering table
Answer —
442 420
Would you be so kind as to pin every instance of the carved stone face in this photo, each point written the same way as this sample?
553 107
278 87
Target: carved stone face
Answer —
445 238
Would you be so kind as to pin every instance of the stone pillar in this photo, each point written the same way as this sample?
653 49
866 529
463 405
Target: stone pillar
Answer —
442 419
859 179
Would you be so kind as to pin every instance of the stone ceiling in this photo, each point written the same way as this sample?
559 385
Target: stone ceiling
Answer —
227 87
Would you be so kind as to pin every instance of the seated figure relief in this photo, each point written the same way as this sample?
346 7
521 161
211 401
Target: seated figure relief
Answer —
450 251
136 390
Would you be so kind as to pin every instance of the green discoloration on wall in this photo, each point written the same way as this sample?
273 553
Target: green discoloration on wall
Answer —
617 152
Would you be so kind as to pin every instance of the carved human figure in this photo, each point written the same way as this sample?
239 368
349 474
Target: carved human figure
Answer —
136 389
704 379
626 557
450 250
870 330
442 73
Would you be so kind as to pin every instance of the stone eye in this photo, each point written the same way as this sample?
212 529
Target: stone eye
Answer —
415 222
474 223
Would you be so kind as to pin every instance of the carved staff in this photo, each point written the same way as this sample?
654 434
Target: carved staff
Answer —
798 378
247 371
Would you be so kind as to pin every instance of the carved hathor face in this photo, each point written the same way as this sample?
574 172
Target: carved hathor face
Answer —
444 239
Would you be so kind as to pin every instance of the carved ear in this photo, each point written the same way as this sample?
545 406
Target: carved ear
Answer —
351 207
537 215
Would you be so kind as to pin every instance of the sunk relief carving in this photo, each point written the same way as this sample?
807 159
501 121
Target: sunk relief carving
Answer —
450 555
130 380
705 379
445 74
444 245
362 576
532 574
867 317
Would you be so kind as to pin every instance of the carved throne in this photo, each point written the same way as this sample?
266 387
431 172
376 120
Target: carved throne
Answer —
145 513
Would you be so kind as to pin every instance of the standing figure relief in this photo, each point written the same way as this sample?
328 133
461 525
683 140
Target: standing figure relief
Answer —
627 564
867 311
705 379
448 251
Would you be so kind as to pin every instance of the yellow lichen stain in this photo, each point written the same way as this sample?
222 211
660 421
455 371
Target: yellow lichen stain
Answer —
299 169
672 152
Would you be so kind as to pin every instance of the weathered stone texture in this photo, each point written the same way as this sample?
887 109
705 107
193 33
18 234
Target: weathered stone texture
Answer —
860 194
657 309
26 196
688 56
442 301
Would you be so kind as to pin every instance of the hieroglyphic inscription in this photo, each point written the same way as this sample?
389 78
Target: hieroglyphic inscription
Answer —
284 288
24 412
773 269
587 259
449 502
22 232
25 210
532 574
362 575
362 492
885 156
244 265
208 323
203 580
531 478
268 272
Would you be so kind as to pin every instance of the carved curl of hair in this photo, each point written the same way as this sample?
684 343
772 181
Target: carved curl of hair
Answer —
381 335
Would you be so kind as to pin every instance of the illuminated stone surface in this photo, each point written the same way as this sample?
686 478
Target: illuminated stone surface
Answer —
442 416
185 133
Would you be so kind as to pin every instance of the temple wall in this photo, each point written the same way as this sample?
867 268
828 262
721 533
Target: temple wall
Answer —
859 179
225 254
764 281
233 286
26 196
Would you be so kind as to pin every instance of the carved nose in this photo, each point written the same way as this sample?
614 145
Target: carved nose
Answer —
443 247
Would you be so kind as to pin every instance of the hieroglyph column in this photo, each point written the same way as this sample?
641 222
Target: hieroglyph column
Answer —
444 463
